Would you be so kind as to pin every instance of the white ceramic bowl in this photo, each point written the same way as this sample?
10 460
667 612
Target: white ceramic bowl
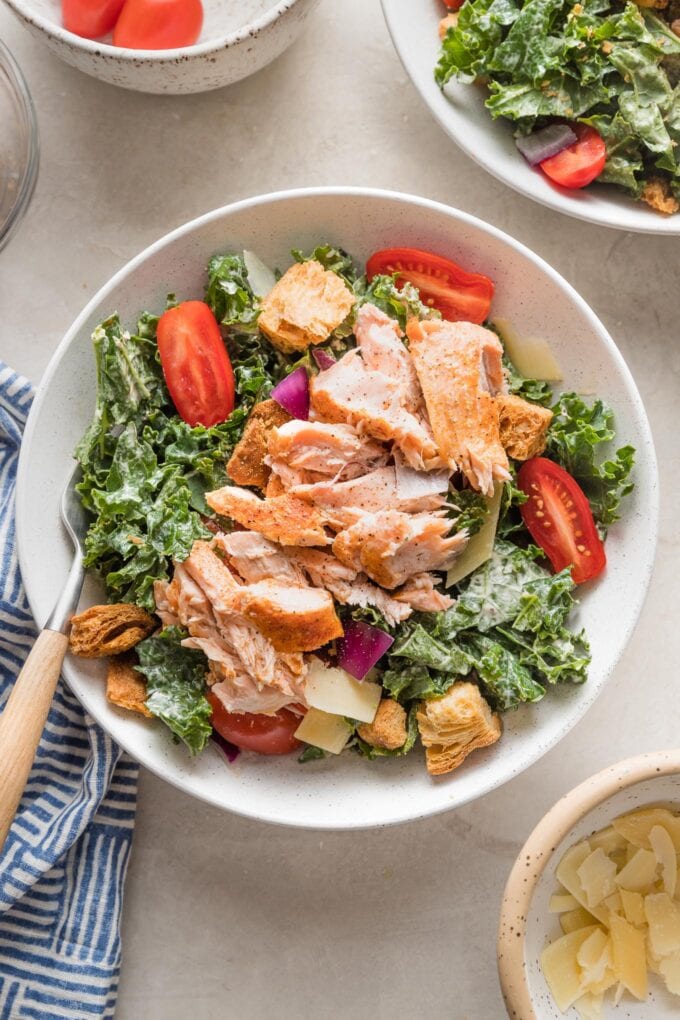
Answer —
526 926
462 114
237 40
346 792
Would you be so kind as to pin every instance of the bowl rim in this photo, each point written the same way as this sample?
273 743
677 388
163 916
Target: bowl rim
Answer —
537 853
569 207
342 191
30 173
127 55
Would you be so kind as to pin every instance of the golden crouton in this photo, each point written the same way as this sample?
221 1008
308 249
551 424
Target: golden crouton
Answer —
109 630
126 687
523 426
293 618
453 726
656 4
388 729
657 193
284 519
304 307
450 21
246 465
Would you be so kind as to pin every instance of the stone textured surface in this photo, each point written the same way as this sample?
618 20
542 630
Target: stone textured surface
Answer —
225 917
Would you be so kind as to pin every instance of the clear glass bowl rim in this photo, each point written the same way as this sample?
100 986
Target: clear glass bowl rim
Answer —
30 170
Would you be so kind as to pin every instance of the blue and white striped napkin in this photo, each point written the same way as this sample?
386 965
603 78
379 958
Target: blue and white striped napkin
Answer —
63 866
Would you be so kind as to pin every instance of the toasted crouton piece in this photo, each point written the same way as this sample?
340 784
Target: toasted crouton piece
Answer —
126 687
284 519
523 426
453 726
656 4
293 618
304 307
109 630
388 729
246 465
657 194
447 22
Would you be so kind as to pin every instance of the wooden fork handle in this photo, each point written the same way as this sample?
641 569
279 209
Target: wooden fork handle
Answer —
23 720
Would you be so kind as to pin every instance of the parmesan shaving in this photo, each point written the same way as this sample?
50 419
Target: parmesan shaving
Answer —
531 356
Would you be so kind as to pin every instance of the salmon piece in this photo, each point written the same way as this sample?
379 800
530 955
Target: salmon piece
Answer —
352 393
306 451
246 466
275 487
285 519
420 593
304 307
255 558
381 346
343 503
460 369
391 546
163 607
348 586
294 619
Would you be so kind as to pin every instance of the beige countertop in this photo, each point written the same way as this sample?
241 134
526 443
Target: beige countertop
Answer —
226 917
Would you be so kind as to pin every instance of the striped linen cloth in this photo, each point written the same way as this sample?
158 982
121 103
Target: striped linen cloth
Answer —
63 866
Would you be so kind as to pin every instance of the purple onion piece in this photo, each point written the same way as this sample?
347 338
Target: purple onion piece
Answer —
361 647
324 359
292 393
545 143
230 751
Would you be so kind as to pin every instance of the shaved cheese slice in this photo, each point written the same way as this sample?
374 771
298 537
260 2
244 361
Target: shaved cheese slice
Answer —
633 907
575 919
336 692
663 918
589 1007
561 969
669 970
329 732
664 851
260 277
640 872
480 545
531 356
609 840
567 874
596 875
594 958
614 903
561 902
629 956
608 981
636 827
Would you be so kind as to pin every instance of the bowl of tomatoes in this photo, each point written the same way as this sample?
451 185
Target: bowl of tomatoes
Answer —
465 269
165 46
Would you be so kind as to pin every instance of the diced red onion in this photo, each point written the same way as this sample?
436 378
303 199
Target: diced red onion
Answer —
545 143
292 393
324 359
412 484
230 751
361 647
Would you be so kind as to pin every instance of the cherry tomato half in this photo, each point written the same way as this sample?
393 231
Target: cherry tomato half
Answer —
558 516
454 5
159 24
266 734
579 164
195 364
90 18
457 294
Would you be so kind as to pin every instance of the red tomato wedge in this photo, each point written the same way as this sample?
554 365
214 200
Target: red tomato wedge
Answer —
90 18
454 5
266 734
159 24
444 285
558 516
579 164
195 364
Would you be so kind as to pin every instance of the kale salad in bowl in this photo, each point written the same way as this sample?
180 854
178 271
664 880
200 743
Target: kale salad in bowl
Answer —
362 505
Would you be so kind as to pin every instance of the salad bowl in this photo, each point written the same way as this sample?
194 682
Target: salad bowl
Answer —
344 791
460 111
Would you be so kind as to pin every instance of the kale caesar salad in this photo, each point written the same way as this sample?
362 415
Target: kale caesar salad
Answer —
340 508
591 88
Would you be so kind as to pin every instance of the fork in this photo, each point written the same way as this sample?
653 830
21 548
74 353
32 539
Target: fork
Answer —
25 714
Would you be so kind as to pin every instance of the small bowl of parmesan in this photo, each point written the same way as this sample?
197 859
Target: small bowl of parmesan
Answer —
590 921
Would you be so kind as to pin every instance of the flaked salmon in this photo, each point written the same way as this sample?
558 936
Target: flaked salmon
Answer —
391 546
254 558
349 586
420 593
293 618
343 503
306 451
350 392
379 340
460 369
285 519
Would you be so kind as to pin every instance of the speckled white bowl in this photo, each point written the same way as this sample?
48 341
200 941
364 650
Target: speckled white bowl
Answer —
526 926
345 792
237 40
